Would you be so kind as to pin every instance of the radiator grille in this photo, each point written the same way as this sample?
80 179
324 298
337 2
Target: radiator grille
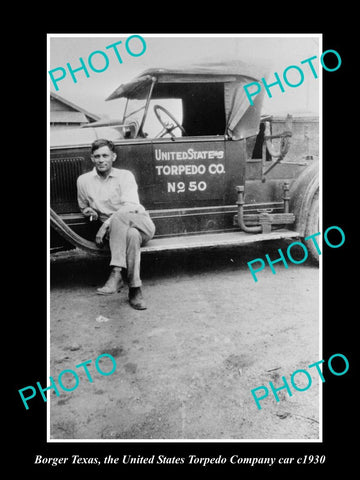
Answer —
63 175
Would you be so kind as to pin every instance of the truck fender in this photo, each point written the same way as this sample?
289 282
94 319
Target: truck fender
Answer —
303 191
73 238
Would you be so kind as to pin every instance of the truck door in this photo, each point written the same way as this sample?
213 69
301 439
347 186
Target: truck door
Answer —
189 172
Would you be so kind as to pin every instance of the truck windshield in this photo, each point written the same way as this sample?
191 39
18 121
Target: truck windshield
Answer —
134 110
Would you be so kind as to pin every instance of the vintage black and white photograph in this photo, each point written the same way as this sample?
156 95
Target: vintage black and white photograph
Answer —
184 237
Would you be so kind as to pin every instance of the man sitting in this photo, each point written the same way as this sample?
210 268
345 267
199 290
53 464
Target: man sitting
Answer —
110 196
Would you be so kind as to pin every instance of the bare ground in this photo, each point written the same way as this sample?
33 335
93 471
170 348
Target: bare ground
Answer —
185 367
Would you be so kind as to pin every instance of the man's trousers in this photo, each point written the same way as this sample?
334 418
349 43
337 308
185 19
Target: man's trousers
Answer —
128 231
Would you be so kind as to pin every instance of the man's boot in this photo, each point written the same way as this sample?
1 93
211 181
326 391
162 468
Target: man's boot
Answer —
114 283
136 299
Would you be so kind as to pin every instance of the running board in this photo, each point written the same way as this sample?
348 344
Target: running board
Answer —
178 243
214 240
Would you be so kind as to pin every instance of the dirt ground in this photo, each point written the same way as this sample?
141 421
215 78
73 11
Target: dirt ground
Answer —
185 367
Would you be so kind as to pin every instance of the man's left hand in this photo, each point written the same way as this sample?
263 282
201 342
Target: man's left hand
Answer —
99 239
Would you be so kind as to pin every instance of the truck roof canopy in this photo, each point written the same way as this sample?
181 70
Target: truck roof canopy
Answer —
201 73
241 118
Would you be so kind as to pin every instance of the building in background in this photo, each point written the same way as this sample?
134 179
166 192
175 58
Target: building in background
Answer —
65 114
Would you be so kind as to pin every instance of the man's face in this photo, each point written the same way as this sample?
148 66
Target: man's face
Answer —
103 158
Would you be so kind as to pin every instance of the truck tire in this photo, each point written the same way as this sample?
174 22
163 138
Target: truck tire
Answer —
313 226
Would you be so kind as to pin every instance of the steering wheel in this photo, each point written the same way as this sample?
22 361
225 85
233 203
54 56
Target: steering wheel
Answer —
167 127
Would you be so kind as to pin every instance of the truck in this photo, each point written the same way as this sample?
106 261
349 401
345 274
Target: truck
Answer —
212 170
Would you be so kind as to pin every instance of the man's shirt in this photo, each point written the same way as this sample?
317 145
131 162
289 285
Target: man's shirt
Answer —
108 195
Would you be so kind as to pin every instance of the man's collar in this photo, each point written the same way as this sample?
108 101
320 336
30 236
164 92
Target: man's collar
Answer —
111 174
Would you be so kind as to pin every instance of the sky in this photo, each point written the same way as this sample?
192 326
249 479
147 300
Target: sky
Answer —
276 52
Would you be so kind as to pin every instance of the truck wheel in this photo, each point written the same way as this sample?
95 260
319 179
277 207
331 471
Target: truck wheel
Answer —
313 226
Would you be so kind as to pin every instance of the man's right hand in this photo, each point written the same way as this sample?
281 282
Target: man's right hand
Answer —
99 239
90 212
